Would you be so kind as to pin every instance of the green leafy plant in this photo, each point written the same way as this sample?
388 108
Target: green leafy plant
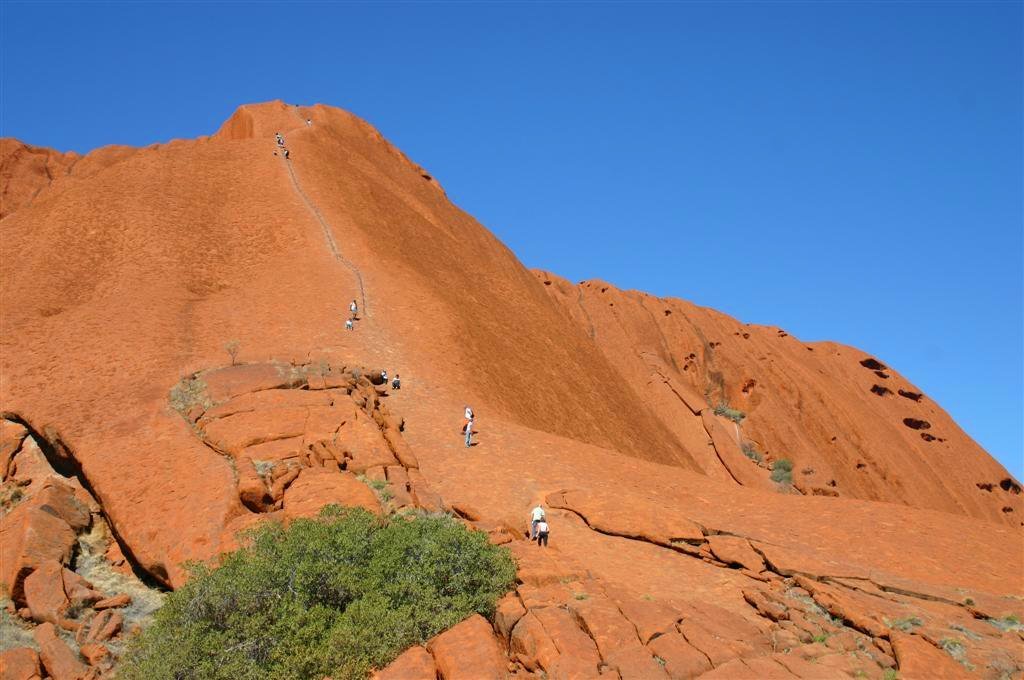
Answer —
782 471
820 637
906 624
723 409
752 453
332 596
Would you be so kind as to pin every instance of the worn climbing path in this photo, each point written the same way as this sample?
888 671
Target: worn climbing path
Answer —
332 245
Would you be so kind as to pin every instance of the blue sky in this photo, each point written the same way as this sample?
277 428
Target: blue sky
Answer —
845 171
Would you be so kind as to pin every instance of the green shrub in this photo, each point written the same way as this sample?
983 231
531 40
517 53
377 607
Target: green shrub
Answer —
1010 622
782 471
907 624
752 453
333 596
187 393
724 410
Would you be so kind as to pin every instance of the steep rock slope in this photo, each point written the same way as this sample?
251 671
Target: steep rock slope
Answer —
173 337
851 425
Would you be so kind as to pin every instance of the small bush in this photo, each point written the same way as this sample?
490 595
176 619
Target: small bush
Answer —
906 625
1010 622
724 410
820 637
891 674
750 452
333 596
782 471
187 393
232 349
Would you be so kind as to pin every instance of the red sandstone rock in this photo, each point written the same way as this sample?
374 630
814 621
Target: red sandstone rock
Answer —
507 614
20 663
58 659
735 550
918 659
252 490
97 655
414 663
29 538
114 602
315 488
682 660
44 592
468 651
11 436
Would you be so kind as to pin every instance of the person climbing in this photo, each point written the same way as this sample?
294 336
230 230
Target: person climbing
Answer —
396 384
280 139
542 533
536 517
384 377
354 308
309 123
469 428
286 154
349 326
467 418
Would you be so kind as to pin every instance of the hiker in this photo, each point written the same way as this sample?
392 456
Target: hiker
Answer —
384 377
536 517
542 533
396 384
469 429
280 139
286 153
309 123
467 418
354 308
349 326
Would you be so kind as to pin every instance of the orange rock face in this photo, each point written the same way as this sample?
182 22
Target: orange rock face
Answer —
176 364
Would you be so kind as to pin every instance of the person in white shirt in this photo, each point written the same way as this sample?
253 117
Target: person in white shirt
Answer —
542 533
354 308
536 516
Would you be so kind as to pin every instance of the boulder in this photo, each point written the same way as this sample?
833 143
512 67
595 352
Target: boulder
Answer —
30 537
316 487
44 593
616 638
20 663
507 614
252 490
58 659
115 602
98 656
414 663
398 485
60 499
364 444
11 436
468 651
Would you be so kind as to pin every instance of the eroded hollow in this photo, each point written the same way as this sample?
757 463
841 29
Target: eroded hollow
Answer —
913 396
1009 485
916 424
873 364
881 391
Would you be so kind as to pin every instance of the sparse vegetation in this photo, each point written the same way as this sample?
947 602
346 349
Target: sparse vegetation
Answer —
580 596
782 471
967 632
333 596
906 624
188 393
232 348
1010 622
820 637
723 409
956 649
969 601
891 674
752 453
